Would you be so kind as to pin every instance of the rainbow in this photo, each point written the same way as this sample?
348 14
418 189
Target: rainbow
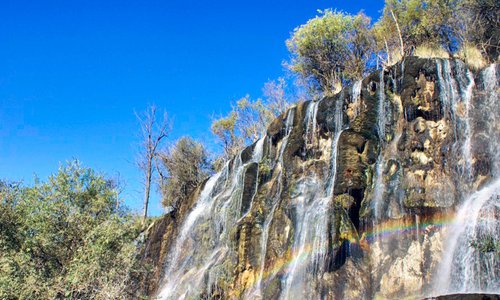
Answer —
406 226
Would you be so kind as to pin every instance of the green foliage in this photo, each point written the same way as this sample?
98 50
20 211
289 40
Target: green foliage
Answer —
480 26
331 49
248 119
186 165
487 244
252 118
406 24
224 130
65 238
436 24
265 168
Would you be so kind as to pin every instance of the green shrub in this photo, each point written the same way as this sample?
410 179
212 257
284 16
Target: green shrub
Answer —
331 49
66 238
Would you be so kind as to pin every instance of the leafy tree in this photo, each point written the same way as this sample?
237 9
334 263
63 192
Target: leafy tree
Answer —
331 49
68 237
248 119
186 165
225 131
437 24
400 29
479 26
252 118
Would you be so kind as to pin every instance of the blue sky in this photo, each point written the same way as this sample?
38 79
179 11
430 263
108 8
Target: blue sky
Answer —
73 72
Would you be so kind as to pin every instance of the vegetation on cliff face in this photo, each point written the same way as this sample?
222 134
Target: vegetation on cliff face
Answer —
248 119
183 167
67 238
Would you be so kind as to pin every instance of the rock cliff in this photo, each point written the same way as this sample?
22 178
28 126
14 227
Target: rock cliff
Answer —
388 189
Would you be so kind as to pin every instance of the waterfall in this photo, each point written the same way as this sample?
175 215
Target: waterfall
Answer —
456 91
183 250
258 151
336 136
447 89
356 97
257 292
310 240
455 96
470 260
467 145
381 108
492 115
203 242
379 185
257 154
470 263
310 121
310 245
290 244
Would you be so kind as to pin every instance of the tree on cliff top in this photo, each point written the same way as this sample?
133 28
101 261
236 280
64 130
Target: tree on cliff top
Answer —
331 49
449 26
224 129
480 26
407 24
182 168
248 119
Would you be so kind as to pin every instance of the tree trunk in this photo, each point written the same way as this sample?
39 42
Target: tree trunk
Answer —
147 189
399 33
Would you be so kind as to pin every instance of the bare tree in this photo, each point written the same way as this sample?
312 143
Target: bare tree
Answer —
153 132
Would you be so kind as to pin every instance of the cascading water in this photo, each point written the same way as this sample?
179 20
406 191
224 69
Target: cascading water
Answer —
447 88
257 292
356 97
310 121
381 107
183 251
492 115
257 154
470 258
310 245
467 86
470 263
455 96
193 265
336 136
379 186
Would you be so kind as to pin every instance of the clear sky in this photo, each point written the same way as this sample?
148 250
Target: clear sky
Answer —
73 72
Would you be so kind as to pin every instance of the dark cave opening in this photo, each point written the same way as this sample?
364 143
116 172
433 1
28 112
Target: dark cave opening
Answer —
361 148
358 195
341 255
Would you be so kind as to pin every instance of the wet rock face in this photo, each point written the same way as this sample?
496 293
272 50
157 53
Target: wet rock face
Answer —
347 199
158 240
